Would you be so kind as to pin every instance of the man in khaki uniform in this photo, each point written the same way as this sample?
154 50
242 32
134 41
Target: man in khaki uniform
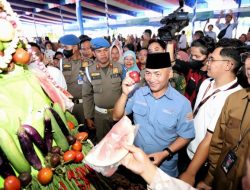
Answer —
101 88
230 143
73 70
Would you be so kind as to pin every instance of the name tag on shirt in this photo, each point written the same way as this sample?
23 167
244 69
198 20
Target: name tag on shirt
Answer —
67 67
96 76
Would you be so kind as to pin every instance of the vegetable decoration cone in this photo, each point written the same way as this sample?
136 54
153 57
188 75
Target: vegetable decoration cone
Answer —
35 139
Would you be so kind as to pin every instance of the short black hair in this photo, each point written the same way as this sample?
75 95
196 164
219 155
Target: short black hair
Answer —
232 48
148 31
84 38
229 42
206 45
130 47
58 53
142 49
211 25
33 44
161 42
199 33
49 42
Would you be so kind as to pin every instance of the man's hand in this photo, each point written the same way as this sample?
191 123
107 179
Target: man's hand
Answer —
90 124
158 157
222 12
137 161
231 12
203 186
188 178
127 85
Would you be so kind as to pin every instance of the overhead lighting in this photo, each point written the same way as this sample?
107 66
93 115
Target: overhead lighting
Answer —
27 13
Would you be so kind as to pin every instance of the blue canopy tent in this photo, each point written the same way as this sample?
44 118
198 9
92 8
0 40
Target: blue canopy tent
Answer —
51 12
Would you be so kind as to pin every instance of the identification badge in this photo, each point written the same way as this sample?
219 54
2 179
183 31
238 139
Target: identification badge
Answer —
80 79
229 161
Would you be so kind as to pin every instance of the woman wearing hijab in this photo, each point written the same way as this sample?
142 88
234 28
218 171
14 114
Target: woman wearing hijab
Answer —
129 60
116 52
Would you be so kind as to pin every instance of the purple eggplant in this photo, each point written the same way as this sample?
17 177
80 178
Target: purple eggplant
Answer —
28 149
48 136
60 122
5 167
36 138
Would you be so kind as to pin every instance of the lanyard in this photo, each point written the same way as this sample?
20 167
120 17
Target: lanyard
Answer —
215 92
244 134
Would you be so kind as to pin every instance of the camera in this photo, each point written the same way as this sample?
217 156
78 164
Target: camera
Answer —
173 23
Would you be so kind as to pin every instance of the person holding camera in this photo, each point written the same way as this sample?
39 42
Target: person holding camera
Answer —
226 29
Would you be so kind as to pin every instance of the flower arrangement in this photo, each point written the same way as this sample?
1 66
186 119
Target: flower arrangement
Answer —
11 44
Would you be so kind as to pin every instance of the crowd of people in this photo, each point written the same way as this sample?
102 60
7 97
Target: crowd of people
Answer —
191 102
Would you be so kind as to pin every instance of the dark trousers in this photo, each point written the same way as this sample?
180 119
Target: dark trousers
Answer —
103 124
183 163
78 113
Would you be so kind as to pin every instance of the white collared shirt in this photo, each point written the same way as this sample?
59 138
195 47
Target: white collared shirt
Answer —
209 112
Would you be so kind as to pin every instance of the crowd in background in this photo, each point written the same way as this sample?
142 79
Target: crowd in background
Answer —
194 71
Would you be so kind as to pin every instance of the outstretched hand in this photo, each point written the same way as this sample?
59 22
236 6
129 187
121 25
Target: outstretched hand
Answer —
138 162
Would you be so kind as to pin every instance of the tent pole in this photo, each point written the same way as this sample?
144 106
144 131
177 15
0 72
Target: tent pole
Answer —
107 16
33 16
61 17
79 15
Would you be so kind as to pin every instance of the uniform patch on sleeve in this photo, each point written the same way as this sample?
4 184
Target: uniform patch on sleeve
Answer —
115 70
85 64
189 116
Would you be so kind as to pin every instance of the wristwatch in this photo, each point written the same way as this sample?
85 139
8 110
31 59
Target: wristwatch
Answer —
170 153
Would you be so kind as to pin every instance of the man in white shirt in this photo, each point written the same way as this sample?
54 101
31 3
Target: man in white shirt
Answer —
227 25
223 64
182 44
210 31
54 72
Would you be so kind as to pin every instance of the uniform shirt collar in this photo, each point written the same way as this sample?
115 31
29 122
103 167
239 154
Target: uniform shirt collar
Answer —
168 93
226 86
247 94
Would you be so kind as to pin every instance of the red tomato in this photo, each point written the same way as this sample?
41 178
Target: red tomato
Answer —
82 136
69 156
79 157
135 76
77 146
44 176
21 56
70 125
12 183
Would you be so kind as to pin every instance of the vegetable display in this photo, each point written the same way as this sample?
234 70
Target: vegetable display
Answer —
40 146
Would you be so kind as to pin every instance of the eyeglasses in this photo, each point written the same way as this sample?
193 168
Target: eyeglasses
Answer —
210 59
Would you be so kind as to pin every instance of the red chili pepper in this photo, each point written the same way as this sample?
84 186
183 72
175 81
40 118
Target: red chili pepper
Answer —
71 174
63 185
80 173
89 168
